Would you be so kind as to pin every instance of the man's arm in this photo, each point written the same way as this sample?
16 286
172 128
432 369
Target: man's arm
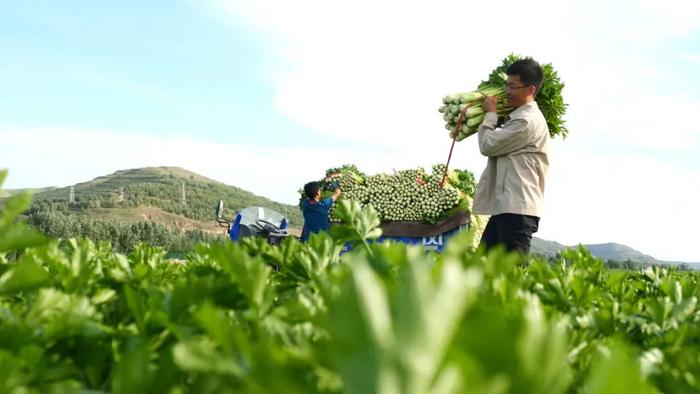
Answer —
511 137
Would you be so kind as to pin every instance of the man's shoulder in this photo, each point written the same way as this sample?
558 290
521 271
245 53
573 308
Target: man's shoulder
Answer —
532 115
527 111
308 205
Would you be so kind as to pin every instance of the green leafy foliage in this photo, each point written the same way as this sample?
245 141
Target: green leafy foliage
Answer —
361 222
464 180
463 113
549 98
249 317
122 236
14 236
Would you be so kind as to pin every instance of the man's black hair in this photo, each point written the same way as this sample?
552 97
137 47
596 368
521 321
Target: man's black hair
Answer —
529 71
311 188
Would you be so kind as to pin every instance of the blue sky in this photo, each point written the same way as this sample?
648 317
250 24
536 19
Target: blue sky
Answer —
159 67
266 94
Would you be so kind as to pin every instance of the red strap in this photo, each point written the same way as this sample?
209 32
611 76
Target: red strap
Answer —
458 129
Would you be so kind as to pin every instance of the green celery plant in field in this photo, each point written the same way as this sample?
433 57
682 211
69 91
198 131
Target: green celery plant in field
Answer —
248 317
15 236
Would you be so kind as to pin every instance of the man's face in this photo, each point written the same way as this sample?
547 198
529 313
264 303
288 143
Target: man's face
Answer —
518 92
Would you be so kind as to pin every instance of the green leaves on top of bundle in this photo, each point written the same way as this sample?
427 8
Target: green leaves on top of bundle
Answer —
346 168
549 98
468 105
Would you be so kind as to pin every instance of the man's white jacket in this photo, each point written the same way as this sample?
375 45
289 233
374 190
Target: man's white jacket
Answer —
514 178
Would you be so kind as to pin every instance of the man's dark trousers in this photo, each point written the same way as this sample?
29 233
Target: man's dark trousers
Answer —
511 230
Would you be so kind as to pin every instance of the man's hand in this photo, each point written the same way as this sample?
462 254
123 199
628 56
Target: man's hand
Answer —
336 194
490 103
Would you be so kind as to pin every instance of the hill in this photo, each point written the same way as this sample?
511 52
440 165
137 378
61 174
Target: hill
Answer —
547 248
606 251
158 189
613 251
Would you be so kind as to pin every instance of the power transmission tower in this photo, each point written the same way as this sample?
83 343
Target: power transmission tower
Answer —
71 195
184 199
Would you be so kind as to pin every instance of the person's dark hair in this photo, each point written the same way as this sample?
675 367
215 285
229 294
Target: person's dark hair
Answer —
529 71
311 188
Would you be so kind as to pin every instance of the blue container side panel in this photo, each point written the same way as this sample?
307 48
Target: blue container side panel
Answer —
235 228
436 243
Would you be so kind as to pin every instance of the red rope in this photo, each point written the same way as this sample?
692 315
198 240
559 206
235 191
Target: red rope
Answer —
458 129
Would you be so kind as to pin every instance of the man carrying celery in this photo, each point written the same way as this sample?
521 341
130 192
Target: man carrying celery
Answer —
511 188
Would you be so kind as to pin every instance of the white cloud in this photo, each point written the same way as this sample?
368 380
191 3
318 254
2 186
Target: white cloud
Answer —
678 18
375 70
659 122
629 199
647 23
695 58
369 72
60 157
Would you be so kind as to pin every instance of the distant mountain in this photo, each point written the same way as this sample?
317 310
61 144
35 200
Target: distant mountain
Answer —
544 247
695 264
613 251
606 251
157 192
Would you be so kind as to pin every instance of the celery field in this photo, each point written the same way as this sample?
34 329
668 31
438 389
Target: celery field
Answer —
77 317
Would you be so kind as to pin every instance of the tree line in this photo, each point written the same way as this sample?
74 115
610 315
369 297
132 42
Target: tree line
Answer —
122 236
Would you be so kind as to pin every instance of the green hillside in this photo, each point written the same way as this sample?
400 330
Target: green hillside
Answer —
613 251
546 248
605 251
159 187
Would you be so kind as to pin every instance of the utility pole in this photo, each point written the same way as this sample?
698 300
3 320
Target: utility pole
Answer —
71 195
184 199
